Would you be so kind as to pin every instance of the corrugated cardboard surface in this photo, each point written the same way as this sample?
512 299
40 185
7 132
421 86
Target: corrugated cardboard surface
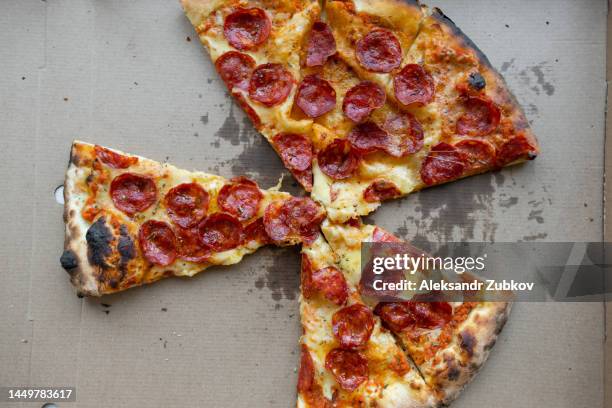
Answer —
607 222
125 74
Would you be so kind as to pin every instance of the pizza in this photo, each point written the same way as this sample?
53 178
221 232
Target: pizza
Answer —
348 358
364 100
448 341
255 47
131 220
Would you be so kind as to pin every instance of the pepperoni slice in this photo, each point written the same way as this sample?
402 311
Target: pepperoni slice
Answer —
396 315
157 242
444 163
349 367
338 160
241 198
379 51
431 315
329 282
114 159
303 216
295 150
380 235
308 288
275 226
242 101
132 193
368 137
307 371
270 84
479 155
321 45
295 217
381 190
235 69
353 326
190 247
220 232
186 204
354 222
425 315
305 178
256 232
515 149
362 99
315 96
414 85
246 28
481 117
406 134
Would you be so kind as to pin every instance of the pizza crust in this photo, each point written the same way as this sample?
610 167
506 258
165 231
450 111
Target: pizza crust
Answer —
472 346
101 251
497 88
454 366
74 260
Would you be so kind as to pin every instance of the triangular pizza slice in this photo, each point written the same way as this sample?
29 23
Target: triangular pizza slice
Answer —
256 48
348 358
459 118
448 341
132 221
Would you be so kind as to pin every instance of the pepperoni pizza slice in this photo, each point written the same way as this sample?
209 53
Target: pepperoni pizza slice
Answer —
132 221
369 101
348 358
468 120
255 46
448 342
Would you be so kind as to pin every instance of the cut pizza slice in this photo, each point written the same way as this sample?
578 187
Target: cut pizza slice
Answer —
467 121
256 48
131 220
348 358
448 341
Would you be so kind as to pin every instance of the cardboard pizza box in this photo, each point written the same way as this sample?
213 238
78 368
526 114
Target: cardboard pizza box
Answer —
608 224
131 75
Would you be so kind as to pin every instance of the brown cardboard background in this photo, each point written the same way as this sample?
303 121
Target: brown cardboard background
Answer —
607 225
229 336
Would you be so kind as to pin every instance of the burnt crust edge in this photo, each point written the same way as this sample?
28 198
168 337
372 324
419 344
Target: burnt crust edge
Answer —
472 369
521 121
81 275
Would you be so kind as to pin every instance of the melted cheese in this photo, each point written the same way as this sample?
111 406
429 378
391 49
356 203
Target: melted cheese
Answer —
384 387
166 177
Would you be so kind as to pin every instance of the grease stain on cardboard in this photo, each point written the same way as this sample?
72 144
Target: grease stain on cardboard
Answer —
282 273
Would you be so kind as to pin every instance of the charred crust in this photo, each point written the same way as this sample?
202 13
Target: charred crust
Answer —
74 157
69 261
444 19
453 373
99 238
477 81
468 342
126 249
490 344
501 320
